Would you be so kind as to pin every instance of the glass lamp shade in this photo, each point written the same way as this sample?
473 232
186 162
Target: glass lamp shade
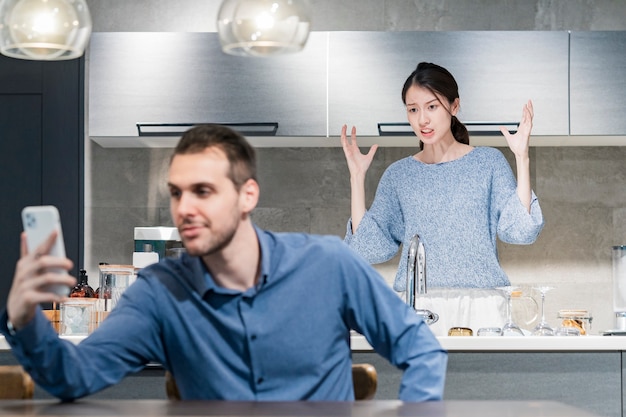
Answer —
263 27
47 30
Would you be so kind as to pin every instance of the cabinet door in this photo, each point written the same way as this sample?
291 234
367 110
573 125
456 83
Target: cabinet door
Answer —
186 78
41 152
497 72
20 159
598 83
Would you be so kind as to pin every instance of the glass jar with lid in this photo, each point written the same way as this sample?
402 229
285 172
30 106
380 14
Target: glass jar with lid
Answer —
578 319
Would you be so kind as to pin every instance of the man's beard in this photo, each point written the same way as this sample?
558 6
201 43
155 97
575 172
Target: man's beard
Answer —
220 243
216 242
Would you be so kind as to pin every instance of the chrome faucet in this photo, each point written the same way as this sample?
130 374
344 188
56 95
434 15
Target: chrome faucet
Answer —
416 278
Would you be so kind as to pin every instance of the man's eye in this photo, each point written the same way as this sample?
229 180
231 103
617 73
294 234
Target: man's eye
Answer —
432 106
174 193
412 110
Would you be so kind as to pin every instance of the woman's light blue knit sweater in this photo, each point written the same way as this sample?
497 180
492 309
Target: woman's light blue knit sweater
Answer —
458 208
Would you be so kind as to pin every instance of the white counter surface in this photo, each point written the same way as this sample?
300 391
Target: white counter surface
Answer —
519 344
495 343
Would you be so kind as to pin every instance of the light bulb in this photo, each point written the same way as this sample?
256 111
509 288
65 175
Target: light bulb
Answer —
263 27
44 29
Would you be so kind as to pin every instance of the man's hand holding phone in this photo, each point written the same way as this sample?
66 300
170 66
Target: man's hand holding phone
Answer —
41 272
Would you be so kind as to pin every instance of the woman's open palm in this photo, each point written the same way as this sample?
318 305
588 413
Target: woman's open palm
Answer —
519 141
358 163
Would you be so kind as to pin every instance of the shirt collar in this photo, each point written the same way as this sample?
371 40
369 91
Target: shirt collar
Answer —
266 244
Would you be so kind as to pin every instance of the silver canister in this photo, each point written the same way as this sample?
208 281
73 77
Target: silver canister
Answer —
619 286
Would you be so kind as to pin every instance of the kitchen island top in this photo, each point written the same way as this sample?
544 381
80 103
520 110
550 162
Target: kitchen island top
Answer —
293 408
484 343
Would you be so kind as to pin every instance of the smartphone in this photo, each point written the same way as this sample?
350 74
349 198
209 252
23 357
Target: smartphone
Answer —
39 222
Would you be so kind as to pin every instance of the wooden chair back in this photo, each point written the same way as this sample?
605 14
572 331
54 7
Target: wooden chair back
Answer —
15 383
364 379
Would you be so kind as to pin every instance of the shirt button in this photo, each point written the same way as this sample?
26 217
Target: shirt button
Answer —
253 337
259 381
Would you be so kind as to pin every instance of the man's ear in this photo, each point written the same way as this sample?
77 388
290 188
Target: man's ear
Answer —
249 195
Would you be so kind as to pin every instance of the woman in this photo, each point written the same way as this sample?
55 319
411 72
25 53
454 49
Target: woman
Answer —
457 197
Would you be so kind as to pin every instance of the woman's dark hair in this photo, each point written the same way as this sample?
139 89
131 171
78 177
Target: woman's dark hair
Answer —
441 83
241 155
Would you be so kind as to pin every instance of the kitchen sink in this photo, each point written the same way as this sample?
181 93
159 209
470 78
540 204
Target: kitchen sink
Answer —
463 307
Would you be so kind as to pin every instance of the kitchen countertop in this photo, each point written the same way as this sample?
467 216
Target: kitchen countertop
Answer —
488 343
518 344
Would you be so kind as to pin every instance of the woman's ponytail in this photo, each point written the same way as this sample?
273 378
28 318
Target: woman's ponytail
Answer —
459 131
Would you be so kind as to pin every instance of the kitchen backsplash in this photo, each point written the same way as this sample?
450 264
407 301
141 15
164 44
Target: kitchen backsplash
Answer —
581 189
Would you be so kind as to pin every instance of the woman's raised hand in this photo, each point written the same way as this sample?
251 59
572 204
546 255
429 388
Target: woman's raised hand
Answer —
358 163
519 141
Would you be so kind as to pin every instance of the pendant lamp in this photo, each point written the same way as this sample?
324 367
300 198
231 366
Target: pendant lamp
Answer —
48 30
263 27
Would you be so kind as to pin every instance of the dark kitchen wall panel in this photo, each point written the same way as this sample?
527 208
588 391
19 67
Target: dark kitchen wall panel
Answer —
20 159
41 151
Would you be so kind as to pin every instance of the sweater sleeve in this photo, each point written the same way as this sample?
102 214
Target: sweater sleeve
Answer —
515 224
381 230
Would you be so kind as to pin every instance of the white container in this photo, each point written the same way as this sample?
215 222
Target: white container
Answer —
143 259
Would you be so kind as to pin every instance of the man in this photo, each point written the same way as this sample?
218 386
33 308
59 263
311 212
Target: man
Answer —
246 314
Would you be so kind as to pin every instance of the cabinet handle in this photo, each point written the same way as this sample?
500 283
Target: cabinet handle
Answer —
177 129
474 128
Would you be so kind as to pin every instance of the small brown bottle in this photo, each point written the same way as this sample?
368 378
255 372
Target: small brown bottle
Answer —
82 288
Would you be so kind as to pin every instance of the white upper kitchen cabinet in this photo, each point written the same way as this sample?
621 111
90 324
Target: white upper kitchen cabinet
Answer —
185 78
497 72
598 83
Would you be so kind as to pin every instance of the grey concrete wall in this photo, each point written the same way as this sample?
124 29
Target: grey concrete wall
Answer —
582 190
200 15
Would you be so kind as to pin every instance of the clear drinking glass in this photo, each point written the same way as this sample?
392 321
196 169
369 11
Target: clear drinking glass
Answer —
489 331
566 331
543 328
509 328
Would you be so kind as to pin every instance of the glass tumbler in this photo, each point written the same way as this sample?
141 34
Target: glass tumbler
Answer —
489 331
77 316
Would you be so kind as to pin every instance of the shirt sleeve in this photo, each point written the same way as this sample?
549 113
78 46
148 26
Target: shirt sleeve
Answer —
380 232
123 344
515 224
395 332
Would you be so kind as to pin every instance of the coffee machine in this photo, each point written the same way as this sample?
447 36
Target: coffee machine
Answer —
159 241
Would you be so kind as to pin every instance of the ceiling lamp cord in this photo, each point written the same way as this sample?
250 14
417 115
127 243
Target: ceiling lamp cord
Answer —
263 27
45 30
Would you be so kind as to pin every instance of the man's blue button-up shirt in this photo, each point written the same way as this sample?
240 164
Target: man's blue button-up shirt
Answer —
286 338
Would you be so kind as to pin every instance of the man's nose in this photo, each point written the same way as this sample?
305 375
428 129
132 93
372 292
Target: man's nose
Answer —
185 204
